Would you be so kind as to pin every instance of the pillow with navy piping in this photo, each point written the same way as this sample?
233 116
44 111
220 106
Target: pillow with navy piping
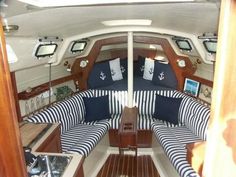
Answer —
116 73
167 109
96 108
100 75
164 76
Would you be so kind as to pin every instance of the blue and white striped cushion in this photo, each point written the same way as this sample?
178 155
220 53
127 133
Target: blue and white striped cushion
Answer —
115 121
83 137
145 122
68 112
198 118
117 99
145 100
172 141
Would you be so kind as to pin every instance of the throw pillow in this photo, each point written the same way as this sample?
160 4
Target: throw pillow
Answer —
124 67
148 69
167 109
116 73
164 76
97 108
100 75
139 66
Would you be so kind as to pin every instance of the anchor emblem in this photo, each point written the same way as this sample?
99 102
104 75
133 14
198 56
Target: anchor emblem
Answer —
102 75
113 72
161 76
122 68
151 71
142 68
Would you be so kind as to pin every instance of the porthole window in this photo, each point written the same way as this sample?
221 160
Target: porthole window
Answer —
210 45
183 45
78 46
44 50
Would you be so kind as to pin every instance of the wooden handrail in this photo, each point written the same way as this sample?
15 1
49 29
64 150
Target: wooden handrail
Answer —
44 87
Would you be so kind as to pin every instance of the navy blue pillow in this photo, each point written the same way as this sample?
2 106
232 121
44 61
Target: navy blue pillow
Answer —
139 66
164 76
124 67
100 75
167 109
97 108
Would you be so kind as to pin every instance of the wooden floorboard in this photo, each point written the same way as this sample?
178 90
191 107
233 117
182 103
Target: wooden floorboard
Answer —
128 166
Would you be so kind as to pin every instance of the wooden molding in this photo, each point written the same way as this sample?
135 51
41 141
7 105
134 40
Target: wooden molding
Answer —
14 87
11 151
43 87
94 52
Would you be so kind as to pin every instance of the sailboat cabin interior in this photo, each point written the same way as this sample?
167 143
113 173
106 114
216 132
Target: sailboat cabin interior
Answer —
119 88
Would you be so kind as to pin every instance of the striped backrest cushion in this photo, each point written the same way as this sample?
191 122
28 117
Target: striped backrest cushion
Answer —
182 109
196 118
68 112
117 99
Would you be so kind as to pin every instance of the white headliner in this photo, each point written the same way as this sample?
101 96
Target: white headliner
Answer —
193 18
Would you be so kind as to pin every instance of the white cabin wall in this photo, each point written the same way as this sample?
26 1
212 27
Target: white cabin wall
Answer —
205 71
23 48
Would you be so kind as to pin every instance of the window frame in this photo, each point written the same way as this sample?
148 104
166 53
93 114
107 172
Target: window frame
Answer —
205 45
45 55
180 40
76 42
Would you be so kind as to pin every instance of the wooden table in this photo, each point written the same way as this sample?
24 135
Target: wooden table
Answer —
128 130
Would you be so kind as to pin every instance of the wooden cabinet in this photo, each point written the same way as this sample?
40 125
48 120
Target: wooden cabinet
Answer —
128 130
41 137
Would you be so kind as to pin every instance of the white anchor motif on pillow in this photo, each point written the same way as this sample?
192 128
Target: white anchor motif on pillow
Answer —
122 68
161 76
102 75
151 71
113 72
142 68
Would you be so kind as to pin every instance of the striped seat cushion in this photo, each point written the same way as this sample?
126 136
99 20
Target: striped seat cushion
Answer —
83 137
173 141
68 112
144 121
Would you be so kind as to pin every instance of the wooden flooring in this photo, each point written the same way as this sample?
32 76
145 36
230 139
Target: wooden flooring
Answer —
128 166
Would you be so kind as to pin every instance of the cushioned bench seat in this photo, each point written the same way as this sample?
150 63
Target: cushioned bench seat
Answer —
76 135
83 137
173 141
144 121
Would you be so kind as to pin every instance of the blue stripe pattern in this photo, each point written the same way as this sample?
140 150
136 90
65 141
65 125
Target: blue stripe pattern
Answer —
84 137
173 141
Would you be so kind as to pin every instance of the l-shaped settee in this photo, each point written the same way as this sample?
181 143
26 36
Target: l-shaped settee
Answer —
81 136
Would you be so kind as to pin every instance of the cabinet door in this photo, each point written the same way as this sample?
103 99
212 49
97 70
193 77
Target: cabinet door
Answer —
52 143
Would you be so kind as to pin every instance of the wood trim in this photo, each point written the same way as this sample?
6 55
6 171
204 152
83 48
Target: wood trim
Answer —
144 139
168 50
11 151
44 87
14 87
220 159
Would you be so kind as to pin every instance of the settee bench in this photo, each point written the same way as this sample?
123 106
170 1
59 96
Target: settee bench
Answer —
80 136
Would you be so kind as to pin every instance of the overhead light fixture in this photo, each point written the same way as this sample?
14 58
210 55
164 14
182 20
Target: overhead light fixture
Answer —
138 22
10 28
53 3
